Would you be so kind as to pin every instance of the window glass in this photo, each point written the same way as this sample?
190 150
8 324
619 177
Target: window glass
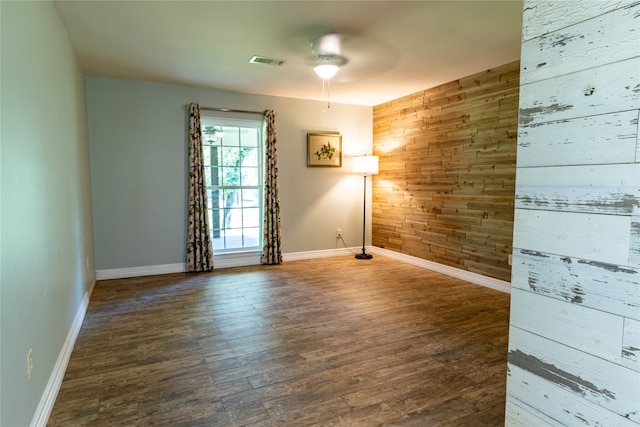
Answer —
233 157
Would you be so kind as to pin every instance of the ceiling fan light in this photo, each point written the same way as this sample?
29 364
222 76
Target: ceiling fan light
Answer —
326 71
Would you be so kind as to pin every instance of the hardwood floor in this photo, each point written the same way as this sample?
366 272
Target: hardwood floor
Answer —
323 342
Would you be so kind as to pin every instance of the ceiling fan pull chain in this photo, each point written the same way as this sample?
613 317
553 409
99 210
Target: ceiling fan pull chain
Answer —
325 90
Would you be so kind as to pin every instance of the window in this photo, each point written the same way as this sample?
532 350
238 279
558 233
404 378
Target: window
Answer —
233 161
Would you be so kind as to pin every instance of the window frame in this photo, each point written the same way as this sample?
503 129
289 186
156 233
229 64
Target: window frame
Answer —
254 124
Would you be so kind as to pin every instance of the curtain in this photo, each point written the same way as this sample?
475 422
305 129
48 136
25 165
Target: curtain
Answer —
199 248
272 249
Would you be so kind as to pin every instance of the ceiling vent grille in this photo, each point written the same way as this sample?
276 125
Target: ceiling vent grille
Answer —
267 61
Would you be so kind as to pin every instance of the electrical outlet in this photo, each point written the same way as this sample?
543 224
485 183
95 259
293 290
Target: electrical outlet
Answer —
30 363
338 233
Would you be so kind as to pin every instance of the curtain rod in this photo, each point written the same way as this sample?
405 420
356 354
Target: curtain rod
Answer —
231 110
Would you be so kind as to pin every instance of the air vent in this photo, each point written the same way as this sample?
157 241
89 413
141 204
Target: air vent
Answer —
268 61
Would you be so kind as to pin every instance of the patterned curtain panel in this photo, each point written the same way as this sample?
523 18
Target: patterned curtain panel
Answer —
272 249
199 248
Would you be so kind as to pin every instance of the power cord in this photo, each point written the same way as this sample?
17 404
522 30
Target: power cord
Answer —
344 244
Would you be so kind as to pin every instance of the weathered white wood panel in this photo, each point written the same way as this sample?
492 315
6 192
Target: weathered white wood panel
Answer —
634 244
567 408
631 345
607 384
605 189
587 44
606 287
600 90
592 331
575 335
541 17
609 138
603 238
638 139
518 414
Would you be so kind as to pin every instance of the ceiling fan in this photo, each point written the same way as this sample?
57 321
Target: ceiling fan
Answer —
327 59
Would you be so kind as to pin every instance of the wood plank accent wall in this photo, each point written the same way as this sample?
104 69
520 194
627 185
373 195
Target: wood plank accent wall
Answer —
445 191
574 340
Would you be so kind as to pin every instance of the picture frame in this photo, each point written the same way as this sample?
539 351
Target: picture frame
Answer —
324 150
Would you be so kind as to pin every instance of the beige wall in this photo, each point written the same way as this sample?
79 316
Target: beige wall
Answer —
138 166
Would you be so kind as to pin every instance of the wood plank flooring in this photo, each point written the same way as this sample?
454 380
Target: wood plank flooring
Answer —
323 342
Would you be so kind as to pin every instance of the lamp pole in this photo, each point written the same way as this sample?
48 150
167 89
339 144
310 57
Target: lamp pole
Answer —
364 255
366 165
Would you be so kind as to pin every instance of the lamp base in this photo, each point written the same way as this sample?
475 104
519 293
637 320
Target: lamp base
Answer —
364 256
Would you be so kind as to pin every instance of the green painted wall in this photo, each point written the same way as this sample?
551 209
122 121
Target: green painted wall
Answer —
46 229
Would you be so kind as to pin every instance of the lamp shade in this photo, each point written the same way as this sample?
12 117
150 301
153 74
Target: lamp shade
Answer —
326 66
326 71
365 164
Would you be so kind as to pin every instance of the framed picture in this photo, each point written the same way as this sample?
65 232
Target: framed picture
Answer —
324 150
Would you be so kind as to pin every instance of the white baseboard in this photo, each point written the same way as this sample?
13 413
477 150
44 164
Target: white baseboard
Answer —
228 260
147 270
219 261
43 411
253 258
478 279
298 256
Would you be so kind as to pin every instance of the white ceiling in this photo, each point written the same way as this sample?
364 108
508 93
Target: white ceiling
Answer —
394 48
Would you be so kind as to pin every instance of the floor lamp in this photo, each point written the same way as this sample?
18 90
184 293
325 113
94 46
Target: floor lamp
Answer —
366 165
